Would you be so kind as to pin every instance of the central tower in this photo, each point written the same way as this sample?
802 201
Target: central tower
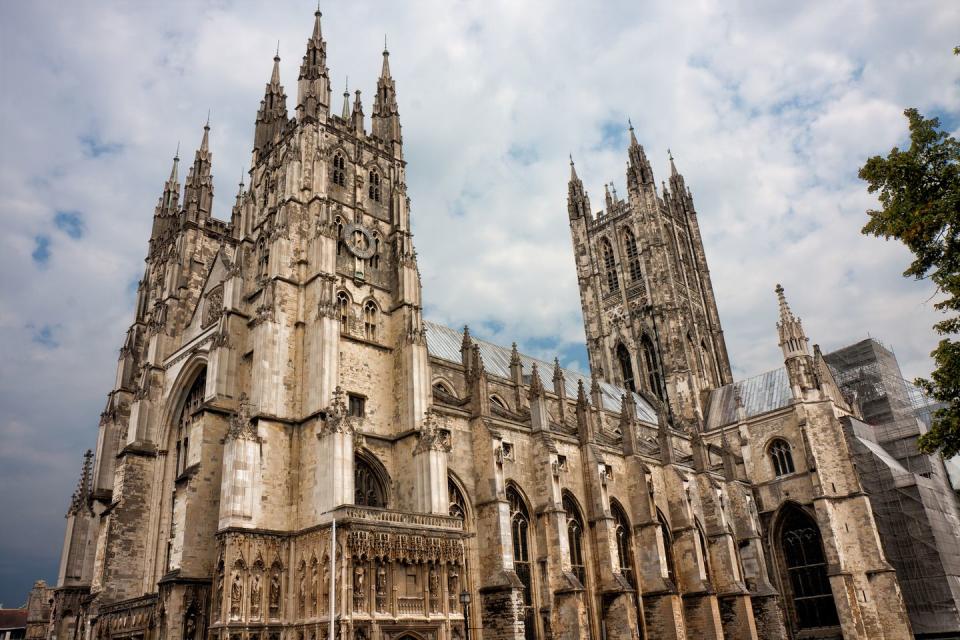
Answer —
649 310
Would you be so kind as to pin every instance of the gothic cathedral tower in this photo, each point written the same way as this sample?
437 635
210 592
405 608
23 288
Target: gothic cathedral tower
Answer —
649 310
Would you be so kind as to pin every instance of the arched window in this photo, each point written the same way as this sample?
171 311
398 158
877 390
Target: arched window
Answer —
667 547
343 308
575 539
497 400
626 367
609 265
624 550
263 259
652 364
713 376
339 169
702 543
782 457
520 534
190 405
806 568
340 244
375 258
374 187
368 487
633 256
441 389
458 504
370 320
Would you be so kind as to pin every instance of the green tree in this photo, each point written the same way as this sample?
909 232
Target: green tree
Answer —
919 193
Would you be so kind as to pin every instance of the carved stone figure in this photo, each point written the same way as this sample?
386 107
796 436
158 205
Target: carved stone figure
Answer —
256 596
236 596
274 594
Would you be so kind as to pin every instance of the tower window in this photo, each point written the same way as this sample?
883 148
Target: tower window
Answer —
626 367
370 320
374 187
650 360
340 245
343 307
782 457
633 256
609 266
339 169
356 405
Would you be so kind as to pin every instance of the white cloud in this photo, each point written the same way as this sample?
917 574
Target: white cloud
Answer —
768 107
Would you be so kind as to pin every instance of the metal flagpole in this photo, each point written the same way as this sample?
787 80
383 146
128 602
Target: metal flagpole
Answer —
333 582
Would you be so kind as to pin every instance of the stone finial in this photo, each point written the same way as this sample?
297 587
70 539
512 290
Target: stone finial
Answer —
79 498
536 385
242 426
581 394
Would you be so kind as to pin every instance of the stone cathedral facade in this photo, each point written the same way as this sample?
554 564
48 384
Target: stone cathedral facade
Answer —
291 451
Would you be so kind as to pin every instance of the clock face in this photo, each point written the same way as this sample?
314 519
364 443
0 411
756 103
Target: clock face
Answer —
359 240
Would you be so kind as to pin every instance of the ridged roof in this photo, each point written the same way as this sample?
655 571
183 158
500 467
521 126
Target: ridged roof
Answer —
760 394
444 343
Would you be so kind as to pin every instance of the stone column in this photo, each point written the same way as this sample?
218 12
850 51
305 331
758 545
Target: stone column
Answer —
335 477
430 461
241 487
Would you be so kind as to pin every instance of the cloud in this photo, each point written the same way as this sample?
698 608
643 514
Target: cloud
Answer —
769 109
71 223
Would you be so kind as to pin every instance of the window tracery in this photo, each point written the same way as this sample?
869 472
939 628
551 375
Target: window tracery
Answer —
370 320
368 489
373 189
609 265
575 539
633 255
339 169
782 457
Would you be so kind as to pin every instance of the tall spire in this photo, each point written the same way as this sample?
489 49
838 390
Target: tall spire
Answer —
346 100
386 115
578 202
357 114
796 351
166 211
272 116
198 187
313 83
633 136
639 172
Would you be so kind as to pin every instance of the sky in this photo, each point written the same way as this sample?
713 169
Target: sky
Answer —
768 107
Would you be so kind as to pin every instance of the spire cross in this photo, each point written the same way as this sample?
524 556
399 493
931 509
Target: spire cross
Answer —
385 43
277 55
176 156
629 122
206 126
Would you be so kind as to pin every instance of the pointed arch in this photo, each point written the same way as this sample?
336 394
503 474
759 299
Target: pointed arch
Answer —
626 367
632 254
522 554
609 265
651 362
624 538
339 168
371 313
575 532
459 503
704 549
373 185
802 564
781 457
341 245
343 310
667 546
371 481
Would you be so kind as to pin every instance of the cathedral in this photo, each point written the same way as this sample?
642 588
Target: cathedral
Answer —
292 452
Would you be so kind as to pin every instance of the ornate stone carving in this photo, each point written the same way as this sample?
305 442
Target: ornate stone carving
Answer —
433 437
242 426
256 595
213 306
336 419
236 596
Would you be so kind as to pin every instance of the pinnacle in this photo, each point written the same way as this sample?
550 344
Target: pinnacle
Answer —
275 75
205 143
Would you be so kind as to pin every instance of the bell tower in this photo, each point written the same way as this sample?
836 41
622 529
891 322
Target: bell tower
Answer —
649 309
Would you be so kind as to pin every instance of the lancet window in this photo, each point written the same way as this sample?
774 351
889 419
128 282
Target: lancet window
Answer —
806 566
626 367
339 169
781 456
652 364
370 320
575 539
373 188
609 265
520 534
633 256
368 487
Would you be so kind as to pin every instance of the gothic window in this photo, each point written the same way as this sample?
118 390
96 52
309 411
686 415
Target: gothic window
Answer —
263 260
442 389
368 487
374 187
370 320
497 400
806 568
339 169
375 258
633 256
575 539
782 457
343 307
192 402
356 405
609 265
624 553
626 367
651 362
702 543
340 244
667 546
520 534
709 364
458 504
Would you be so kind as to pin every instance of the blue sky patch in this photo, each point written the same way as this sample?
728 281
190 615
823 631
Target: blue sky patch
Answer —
524 155
613 134
71 223
41 250
94 147
44 337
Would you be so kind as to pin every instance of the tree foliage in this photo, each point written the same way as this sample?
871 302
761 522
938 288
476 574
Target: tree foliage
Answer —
919 193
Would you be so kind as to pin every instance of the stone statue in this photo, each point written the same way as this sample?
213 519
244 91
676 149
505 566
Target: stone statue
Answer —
256 595
236 596
274 594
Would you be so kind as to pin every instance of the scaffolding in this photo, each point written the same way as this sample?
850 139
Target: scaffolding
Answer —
916 511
